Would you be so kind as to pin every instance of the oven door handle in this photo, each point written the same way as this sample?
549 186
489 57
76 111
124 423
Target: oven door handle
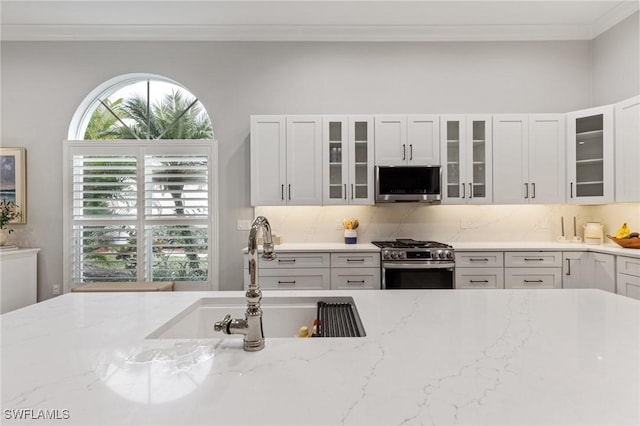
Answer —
418 265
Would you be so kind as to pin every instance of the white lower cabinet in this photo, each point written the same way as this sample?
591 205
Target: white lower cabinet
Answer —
479 269
18 278
318 271
604 271
628 277
533 269
479 277
575 269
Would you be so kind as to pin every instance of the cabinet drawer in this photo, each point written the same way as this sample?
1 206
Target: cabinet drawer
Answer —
355 260
355 278
628 285
479 278
296 260
479 259
533 259
628 265
295 279
532 278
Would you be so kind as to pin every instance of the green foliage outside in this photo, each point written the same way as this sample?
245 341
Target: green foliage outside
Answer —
110 251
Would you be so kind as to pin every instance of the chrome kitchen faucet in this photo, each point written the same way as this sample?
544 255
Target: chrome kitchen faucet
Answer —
251 325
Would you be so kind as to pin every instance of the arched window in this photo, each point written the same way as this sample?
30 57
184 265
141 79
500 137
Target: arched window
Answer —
138 208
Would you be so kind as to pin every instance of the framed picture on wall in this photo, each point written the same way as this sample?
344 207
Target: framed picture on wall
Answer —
13 179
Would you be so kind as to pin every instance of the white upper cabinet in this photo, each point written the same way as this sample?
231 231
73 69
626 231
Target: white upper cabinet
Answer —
465 150
347 149
627 125
528 159
407 140
590 162
286 160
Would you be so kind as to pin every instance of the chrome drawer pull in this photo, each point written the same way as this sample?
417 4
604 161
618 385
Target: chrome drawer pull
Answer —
355 281
528 259
286 261
533 281
479 260
478 281
355 260
286 282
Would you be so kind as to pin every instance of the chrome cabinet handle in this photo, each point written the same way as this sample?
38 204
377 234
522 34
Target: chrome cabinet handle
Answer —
533 281
571 196
479 281
289 191
530 259
526 190
352 191
355 281
286 261
345 191
464 191
355 260
410 151
404 151
533 188
568 267
470 190
287 282
282 191
479 260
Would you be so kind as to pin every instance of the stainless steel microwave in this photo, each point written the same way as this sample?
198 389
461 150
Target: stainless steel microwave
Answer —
408 184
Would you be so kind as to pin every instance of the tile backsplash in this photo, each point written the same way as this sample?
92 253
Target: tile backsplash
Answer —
296 224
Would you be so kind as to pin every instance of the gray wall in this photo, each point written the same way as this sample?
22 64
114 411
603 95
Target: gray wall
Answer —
616 62
43 83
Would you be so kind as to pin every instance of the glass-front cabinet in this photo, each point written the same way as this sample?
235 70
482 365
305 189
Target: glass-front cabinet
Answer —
590 157
347 147
466 158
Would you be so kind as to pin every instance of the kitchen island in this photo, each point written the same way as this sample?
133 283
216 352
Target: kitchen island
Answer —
492 357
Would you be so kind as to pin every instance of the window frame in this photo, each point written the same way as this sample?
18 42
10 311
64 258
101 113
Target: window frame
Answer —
141 148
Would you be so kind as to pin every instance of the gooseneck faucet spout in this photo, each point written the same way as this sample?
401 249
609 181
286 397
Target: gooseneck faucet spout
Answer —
251 325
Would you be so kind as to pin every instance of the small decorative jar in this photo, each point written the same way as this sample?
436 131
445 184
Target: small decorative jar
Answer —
350 236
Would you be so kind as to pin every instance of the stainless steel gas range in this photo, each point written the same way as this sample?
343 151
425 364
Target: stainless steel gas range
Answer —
411 264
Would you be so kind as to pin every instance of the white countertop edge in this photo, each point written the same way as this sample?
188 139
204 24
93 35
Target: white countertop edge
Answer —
19 252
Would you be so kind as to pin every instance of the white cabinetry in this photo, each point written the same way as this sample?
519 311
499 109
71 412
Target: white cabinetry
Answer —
575 269
528 159
353 270
18 278
348 153
407 140
294 271
479 270
465 149
533 269
590 162
628 276
627 137
286 160
604 271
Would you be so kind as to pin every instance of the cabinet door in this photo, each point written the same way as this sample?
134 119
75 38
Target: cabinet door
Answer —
510 160
532 278
590 156
628 285
355 278
304 160
335 157
423 140
479 278
453 157
361 158
604 274
391 140
627 119
547 163
479 163
268 160
576 270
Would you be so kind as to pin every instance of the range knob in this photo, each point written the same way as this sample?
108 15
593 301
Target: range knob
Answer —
394 255
439 254
386 254
449 254
403 255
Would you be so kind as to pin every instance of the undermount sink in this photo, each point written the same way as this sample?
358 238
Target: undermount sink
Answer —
282 317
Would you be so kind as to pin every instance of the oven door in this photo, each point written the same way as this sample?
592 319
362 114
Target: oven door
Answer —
417 275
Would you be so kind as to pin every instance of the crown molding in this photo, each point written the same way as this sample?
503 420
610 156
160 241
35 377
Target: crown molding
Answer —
356 33
614 17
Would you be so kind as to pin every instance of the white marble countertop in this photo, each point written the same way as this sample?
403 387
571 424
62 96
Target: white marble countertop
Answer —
503 357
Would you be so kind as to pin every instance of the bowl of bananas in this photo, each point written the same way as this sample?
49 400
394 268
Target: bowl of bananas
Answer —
625 238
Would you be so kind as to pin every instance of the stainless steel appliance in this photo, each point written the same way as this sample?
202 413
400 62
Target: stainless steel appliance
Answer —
411 264
395 184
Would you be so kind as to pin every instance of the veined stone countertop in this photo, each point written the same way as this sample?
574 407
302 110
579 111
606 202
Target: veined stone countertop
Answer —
491 357
465 246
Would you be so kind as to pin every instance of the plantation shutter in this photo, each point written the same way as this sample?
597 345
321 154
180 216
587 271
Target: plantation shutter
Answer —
139 211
